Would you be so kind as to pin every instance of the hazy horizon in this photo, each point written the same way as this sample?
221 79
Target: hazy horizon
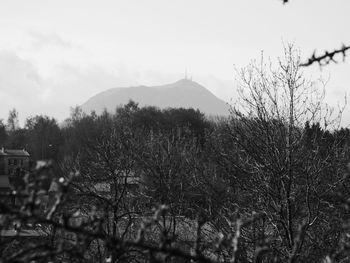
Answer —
56 55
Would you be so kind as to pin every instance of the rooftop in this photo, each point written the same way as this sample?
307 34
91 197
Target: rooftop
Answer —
13 152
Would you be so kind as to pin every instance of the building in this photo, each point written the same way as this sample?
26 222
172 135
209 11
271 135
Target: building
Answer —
12 161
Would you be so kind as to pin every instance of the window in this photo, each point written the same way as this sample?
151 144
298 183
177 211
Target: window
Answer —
15 161
21 161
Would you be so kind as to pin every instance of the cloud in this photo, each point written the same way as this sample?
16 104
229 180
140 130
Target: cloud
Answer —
20 84
41 39
18 76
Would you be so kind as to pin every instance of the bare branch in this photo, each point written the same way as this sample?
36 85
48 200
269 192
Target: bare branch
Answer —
327 57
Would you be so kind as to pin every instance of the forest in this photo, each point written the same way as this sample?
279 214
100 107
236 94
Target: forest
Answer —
268 184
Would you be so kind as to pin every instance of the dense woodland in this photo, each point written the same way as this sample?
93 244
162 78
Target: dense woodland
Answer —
268 184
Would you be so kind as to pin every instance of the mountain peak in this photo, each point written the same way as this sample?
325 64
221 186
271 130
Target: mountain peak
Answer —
184 93
187 82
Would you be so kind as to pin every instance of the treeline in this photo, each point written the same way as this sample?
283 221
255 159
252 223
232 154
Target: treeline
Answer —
41 136
44 138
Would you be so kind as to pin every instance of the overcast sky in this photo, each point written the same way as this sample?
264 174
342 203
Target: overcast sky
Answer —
57 54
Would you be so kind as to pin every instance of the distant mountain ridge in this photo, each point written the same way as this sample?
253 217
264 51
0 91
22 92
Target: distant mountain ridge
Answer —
184 93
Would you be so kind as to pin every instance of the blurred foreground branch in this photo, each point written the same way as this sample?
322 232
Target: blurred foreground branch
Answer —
327 57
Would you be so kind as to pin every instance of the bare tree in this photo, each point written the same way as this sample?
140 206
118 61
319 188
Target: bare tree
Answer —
282 177
12 121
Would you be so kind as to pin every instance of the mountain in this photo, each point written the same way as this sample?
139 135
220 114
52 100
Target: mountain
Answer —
184 93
